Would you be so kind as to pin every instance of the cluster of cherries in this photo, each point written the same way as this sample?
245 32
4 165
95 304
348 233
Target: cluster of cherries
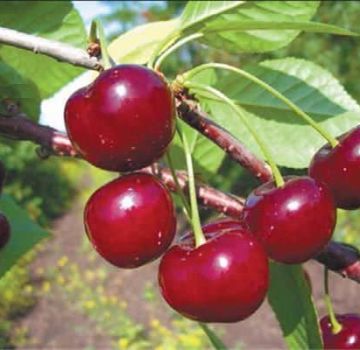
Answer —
123 122
4 223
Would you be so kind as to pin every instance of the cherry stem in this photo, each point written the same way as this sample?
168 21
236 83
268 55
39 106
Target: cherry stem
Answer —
275 170
174 47
327 136
179 191
336 326
214 339
195 218
97 32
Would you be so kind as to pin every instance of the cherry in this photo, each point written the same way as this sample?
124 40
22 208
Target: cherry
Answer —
293 222
339 168
4 231
124 120
131 220
349 335
223 280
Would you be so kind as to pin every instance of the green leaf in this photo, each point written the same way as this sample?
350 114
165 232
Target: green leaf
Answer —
17 88
56 20
207 157
210 17
257 25
291 142
138 44
24 234
290 298
197 13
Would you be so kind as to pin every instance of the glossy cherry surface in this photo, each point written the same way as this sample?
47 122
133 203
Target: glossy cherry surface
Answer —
223 280
131 220
293 222
124 120
339 168
349 335
4 230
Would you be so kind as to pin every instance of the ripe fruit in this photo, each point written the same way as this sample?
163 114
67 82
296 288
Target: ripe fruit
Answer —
124 120
4 230
349 335
223 280
339 169
131 220
293 222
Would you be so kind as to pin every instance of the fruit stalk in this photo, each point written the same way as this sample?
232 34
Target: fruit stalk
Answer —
189 111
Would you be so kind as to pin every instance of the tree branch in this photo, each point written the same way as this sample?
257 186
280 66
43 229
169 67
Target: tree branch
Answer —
190 112
55 49
335 256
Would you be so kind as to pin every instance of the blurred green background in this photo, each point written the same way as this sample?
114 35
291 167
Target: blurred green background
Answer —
48 189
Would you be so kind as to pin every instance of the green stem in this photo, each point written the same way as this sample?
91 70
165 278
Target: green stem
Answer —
214 339
165 44
97 30
333 141
195 218
275 170
179 191
174 47
336 326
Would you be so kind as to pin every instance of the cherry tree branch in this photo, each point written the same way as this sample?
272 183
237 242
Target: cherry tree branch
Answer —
335 256
55 49
189 111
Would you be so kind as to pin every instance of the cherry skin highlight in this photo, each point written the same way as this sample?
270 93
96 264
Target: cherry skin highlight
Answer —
124 120
223 280
4 230
293 222
339 169
347 338
131 220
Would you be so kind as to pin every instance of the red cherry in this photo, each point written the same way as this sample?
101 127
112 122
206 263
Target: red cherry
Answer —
223 280
4 231
124 120
293 222
131 220
347 338
339 169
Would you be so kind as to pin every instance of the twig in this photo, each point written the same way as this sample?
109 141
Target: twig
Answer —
190 112
335 256
55 49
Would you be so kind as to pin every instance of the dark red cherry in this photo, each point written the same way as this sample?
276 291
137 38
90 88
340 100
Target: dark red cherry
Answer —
223 280
347 338
131 220
293 222
124 120
339 169
4 230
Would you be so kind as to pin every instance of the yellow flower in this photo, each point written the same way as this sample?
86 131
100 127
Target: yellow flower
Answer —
46 287
62 261
154 323
89 304
123 343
